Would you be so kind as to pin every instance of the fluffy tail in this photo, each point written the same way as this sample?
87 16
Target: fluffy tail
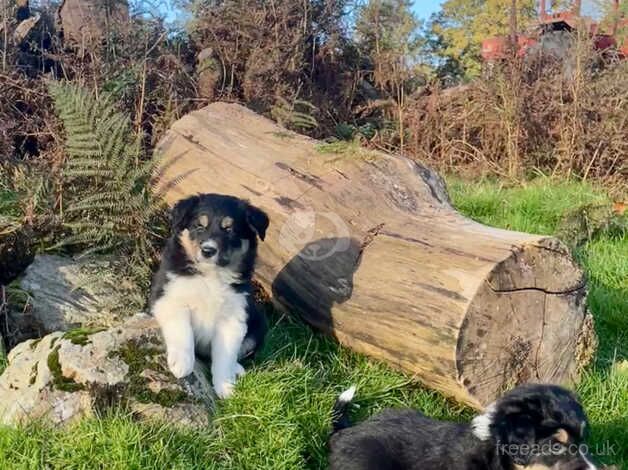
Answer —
340 411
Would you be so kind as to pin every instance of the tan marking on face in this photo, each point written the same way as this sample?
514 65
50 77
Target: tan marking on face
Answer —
561 436
226 222
203 220
189 247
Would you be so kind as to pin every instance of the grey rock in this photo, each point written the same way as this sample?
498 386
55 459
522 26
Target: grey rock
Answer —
61 298
65 376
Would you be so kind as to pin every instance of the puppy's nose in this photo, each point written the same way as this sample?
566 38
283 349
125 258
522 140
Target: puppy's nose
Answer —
209 251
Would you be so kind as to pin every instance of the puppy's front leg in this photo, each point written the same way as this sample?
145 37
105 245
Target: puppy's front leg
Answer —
226 344
176 328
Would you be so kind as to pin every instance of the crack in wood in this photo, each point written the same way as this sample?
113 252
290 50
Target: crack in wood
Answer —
434 183
194 141
341 174
370 236
545 291
561 251
312 180
538 348
251 190
368 239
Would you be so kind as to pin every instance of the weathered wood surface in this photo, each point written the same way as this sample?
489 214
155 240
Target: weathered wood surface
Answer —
367 247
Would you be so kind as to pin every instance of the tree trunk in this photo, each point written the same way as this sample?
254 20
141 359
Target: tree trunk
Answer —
87 22
366 247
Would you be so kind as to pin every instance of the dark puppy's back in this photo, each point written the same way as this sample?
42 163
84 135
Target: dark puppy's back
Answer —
403 440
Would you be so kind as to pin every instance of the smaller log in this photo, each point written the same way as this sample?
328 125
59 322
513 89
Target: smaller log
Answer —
25 27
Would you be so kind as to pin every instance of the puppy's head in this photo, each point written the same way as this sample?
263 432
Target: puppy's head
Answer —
218 230
537 427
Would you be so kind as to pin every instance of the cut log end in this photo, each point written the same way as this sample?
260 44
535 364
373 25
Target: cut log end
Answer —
525 323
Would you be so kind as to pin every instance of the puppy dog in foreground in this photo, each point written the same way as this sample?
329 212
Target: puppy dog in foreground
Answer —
532 427
201 294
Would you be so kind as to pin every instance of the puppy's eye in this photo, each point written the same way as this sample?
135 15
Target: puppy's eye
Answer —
226 224
203 222
558 448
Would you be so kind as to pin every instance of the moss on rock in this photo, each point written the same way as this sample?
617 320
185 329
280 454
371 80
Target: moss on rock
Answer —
33 376
141 355
346 149
59 381
81 335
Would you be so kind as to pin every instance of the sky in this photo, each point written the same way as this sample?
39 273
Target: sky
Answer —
425 8
422 8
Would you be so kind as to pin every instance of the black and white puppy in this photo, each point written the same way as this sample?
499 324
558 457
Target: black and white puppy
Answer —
533 427
201 294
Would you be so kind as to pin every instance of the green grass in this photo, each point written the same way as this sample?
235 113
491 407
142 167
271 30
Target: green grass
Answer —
279 416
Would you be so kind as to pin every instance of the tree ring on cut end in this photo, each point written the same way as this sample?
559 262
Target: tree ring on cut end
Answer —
537 311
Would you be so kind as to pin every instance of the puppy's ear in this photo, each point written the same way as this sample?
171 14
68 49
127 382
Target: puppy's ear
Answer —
257 220
181 212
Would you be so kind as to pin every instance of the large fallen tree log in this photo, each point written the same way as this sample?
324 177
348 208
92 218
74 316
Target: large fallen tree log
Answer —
367 247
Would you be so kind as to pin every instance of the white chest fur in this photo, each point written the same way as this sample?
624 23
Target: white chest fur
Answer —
203 312
207 298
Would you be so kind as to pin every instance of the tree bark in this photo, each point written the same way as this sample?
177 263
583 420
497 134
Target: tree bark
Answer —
86 22
367 247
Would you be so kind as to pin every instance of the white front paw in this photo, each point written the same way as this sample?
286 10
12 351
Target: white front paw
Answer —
224 388
239 370
181 362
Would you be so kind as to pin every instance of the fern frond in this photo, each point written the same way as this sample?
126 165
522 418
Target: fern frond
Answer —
297 113
88 172
110 205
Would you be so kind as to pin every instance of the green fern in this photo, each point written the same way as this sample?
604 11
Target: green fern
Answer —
24 198
108 202
296 114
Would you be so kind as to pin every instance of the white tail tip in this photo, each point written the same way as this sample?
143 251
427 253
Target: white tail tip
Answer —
347 395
